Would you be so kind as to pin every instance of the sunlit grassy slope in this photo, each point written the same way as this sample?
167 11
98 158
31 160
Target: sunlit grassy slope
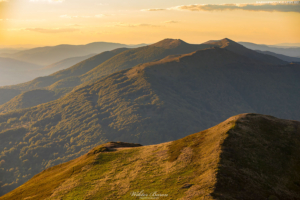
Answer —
248 156
148 104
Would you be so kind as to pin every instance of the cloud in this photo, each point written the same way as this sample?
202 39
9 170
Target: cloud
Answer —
68 16
74 25
102 4
54 30
154 9
24 20
171 22
99 15
268 7
49 1
84 16
136 25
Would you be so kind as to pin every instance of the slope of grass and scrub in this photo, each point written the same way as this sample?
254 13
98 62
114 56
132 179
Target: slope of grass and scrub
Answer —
248 156
151 103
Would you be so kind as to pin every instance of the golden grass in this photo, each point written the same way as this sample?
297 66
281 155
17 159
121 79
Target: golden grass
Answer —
228 161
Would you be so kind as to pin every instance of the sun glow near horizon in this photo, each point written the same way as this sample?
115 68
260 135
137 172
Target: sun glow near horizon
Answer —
53 22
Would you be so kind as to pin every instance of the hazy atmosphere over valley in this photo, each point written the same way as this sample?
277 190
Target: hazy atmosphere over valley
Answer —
132 99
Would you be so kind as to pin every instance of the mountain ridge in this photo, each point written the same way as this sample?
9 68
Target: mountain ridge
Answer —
223 162
151 103
240 49
102 67
128 59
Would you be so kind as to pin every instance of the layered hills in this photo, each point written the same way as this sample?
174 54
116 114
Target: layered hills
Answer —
14 71
100 66
287 51
66 63
248 156
51 54
109 62
55 78
151 103
280 56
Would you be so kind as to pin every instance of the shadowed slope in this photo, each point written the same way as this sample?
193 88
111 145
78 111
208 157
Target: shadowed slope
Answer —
248 156
260 160
30 99
7 94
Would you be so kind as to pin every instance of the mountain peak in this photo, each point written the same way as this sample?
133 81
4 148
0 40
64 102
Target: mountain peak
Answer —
169 43
222 43
240 49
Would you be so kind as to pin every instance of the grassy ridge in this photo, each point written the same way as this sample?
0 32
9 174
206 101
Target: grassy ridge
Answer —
248 156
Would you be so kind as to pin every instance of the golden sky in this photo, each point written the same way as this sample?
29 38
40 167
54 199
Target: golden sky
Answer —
52 22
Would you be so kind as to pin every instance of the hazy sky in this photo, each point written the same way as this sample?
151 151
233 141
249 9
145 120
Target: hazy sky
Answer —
52 22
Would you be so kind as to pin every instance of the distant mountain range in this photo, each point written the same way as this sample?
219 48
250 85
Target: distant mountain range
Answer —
107 63
287 45
248 156
280 56
14 71
7 51
287 51
162 98
52 54
66 63
19 66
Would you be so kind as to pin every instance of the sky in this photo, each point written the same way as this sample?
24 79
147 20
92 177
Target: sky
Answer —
25 23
